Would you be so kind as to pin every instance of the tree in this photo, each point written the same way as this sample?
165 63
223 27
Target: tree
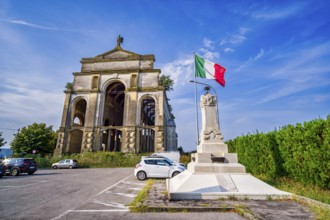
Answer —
166 82
2 140
69 85
36 137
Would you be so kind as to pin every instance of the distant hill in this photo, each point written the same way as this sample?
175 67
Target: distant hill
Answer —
5 152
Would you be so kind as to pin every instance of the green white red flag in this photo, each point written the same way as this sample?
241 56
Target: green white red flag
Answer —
209 70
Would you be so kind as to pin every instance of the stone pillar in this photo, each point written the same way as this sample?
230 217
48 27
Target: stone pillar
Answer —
128 140
60 143
212 153
62 136
87 141
211 139
159 136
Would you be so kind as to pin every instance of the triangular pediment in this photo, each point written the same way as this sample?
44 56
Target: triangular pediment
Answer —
117 53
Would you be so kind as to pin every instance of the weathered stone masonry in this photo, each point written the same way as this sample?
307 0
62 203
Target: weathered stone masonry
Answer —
116 104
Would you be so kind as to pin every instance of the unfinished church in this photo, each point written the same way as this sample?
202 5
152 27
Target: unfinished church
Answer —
116 104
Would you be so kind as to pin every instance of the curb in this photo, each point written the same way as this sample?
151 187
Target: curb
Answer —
190 209
308 201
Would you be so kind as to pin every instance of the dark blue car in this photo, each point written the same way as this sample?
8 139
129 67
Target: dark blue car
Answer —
15 166
2 170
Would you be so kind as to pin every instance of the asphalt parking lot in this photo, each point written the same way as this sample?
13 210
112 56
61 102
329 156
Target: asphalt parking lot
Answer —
54 194
80 194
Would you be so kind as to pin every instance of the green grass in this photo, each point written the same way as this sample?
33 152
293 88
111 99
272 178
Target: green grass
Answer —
305 190
138 204
298 188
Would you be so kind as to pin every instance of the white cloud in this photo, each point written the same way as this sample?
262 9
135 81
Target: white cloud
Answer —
236 38
28 24
251 60
209 55
180 70
278 13
208 43
228 50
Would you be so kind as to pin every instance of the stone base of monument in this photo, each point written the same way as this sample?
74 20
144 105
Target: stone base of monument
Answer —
214 173
196 186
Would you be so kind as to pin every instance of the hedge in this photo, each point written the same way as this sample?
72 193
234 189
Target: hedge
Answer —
301 152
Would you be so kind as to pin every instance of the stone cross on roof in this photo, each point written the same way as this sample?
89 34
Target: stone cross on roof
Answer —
120 40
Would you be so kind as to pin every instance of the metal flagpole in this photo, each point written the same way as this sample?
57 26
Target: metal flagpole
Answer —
197 126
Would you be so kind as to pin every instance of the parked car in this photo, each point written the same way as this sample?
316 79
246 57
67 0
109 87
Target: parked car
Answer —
68 163
173 155
2 169
15 166
157 167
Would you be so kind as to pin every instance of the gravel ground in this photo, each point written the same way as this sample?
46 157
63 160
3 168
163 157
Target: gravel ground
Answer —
157 200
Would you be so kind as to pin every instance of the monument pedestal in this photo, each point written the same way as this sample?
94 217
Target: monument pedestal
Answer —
214 173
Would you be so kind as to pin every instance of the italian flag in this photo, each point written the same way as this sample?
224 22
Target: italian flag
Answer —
209 70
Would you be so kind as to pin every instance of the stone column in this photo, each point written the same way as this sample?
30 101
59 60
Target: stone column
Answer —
211 140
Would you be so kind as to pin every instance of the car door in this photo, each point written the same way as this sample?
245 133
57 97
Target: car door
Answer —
67 163
150 168
162 169
61 164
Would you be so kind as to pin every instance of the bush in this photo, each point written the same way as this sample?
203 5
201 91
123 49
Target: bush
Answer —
92 159
301 152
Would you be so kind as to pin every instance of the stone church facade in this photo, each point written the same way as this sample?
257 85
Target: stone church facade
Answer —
116 104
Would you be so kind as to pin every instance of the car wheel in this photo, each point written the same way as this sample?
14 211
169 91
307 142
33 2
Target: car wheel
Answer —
70 167
1 176
54 167
175 173
31 173
141 175
14 172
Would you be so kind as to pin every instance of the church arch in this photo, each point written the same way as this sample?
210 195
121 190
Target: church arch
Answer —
147 111
75 138
79 112
147 121
113 115
114 104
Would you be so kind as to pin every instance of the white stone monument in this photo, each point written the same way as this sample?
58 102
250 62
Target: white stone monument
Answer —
212 153
214 173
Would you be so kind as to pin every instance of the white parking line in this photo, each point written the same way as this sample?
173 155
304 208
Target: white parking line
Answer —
102 210
123 194
111 204
125 187
44 181
107 210
113 185
134 183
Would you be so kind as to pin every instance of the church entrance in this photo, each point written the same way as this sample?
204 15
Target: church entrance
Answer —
113 115
111 140
147 134
75 141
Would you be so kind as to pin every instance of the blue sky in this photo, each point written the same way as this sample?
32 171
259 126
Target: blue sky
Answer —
277 56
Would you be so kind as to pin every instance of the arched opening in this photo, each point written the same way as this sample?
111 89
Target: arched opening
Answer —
147 119
114 104
148 112
113 116
79 113
76 137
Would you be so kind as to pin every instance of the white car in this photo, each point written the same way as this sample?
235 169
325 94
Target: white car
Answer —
68 163
157 167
